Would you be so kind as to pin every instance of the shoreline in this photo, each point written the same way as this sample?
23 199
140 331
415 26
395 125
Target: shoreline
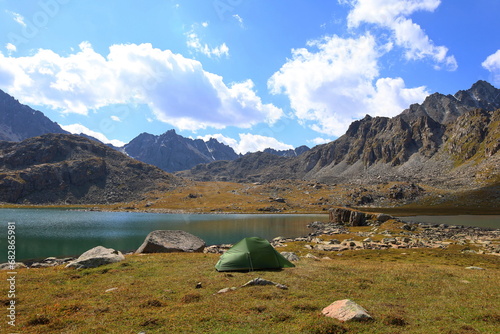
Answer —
402 211
413 235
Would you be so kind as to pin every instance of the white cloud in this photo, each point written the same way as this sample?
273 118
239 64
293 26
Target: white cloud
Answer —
319 141
338 82
223 139
18 18
249 142
78 129
116 118
239 19
194 42
492 64
393 15
11 48
178 90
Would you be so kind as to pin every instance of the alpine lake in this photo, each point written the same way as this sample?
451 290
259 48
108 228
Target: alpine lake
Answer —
42 233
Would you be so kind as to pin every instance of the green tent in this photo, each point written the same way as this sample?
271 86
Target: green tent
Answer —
252 254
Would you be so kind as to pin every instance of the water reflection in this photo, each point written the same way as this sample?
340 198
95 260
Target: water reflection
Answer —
44 232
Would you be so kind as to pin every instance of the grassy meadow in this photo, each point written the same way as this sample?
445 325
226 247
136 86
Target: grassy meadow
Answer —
405 290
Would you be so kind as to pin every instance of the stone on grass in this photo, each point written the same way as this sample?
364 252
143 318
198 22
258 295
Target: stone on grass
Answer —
474 268
261 281
225 290
168 241
290 256
12 266
346 310
96 257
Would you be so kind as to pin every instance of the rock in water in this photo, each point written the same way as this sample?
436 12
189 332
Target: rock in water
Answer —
346 310
168 241
96 257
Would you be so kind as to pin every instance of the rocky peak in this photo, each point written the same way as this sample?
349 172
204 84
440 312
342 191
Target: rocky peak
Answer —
446 109
19 122
481 95
172 152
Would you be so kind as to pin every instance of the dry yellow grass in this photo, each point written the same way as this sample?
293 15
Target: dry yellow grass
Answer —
406 291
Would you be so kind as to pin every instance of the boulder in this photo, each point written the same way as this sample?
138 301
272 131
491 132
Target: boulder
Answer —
261 281
290 256
346 310
12 266
168 241
382 217
348 216
357 218
96 257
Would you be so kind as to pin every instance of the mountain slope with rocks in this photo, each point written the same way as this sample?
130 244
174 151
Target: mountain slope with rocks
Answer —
19 122
447 140
64 169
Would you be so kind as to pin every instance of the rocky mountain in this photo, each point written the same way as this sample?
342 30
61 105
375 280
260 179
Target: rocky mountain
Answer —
172 152
19 122
288 153
60 168
447 108
447 139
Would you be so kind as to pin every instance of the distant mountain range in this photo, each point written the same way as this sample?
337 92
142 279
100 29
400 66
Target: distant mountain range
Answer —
450 141
447 139
169 151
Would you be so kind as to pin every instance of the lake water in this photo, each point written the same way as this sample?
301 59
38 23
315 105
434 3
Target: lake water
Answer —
41 233
488 221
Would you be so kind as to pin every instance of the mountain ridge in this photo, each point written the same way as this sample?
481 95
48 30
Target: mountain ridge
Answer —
412 146
70 169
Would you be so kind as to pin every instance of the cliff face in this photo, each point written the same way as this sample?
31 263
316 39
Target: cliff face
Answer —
172 152
58 168
475 135
19 122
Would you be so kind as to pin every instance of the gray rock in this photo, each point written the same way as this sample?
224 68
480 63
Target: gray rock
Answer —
261 281
346 310
168 241
290 256
41 265
225 290
96 257
8 266
382 217
258 281
474 268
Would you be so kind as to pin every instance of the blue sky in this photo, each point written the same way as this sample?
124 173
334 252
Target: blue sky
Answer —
253 74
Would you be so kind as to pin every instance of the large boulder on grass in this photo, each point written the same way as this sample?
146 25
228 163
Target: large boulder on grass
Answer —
346 310
96 257
168 241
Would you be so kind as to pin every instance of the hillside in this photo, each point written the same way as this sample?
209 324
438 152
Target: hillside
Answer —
448 140
69 169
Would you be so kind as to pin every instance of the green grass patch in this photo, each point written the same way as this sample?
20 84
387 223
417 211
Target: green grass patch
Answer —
406 291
